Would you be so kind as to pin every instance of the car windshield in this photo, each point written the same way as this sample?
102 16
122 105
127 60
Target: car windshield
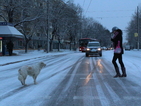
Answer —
93 44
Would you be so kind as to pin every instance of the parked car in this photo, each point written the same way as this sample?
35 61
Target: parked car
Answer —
93 48
127 47
104 48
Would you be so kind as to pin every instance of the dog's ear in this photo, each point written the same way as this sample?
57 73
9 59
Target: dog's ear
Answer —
43 64
30 68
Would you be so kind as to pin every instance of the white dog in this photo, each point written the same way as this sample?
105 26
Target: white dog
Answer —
32 70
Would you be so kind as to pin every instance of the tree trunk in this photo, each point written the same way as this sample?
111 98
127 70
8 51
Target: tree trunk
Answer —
58 45
70 45
51 45
26 45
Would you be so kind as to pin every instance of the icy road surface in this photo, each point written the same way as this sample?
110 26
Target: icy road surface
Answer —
72 79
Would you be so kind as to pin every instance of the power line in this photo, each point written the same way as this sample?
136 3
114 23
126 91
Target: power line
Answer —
112 11
88 6
113 17
83 2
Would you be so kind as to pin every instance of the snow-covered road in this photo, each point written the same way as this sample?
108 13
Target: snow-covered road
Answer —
71 79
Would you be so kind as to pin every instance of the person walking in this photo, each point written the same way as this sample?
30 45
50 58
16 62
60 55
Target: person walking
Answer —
10 47
118 51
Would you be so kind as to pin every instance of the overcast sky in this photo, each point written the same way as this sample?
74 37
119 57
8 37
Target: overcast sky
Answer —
110 12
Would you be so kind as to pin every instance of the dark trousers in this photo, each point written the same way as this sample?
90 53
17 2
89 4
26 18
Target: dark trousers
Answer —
10 51
119 57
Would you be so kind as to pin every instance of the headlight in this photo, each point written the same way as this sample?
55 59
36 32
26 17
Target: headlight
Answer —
88 49
99 49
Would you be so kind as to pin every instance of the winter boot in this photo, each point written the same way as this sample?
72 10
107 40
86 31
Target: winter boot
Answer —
123 72
117 73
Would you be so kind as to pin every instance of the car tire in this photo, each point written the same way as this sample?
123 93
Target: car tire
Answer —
100 54
87 55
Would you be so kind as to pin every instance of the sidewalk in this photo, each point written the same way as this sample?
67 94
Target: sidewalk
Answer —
21 55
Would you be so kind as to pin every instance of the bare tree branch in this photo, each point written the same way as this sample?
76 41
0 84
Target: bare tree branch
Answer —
3 18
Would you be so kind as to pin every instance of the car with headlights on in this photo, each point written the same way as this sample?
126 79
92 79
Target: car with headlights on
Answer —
93 48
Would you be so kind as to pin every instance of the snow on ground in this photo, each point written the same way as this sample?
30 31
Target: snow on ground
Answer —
30 54
132 62
131 59
10 86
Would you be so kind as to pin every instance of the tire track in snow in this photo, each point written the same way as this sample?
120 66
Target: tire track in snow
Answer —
23 88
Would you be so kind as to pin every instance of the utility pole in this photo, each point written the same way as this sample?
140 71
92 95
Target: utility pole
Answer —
138 27
47 26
